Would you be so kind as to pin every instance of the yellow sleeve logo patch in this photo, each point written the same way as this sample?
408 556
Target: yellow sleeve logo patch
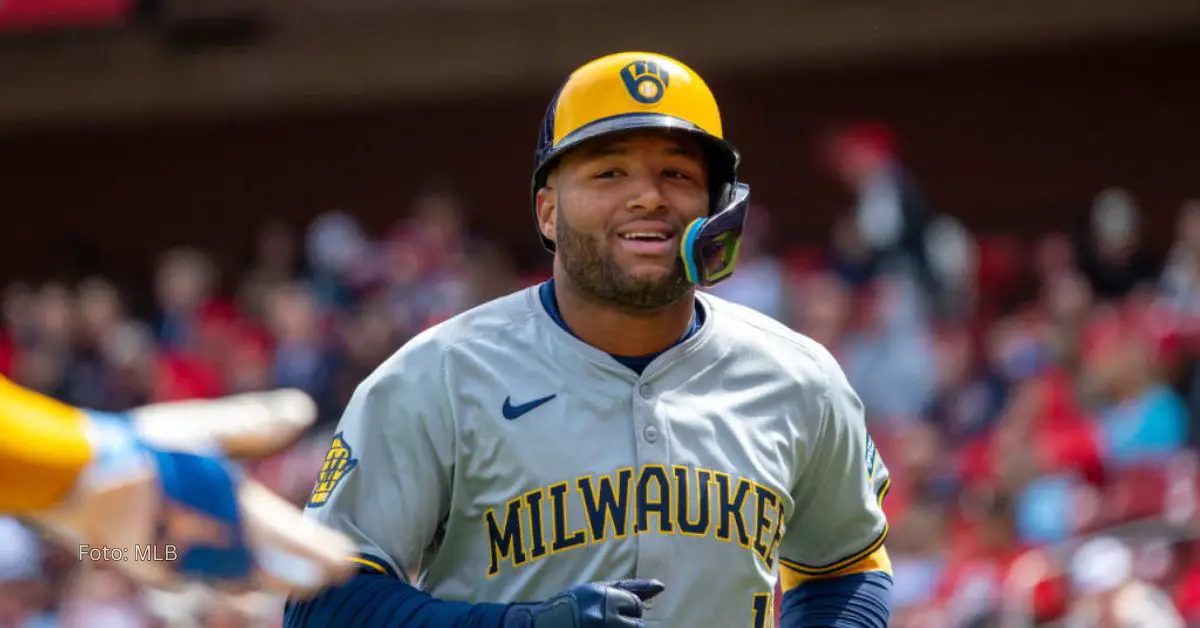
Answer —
339 462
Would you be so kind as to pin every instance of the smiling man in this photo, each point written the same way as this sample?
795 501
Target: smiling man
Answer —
612 448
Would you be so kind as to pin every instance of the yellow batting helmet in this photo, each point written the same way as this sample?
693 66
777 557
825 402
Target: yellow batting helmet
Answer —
641 90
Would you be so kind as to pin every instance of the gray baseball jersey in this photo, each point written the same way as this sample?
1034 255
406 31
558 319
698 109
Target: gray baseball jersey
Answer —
502 459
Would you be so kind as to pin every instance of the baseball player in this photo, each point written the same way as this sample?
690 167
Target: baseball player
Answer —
612 447
152 493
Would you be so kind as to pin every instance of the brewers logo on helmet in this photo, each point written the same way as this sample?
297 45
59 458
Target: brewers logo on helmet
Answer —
632 91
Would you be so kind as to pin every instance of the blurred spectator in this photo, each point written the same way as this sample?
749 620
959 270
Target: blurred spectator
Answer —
1058 321
971 588
55 322
888 357
42 369
1054 256
129 353
822 309
339 257
1180 281
1112 255
276 261
421 292
851 258
100 312
369 337
1140 419
916 541
438 218
303 358
44 360
428 262
489 274
954 263
1108 593
184 284
248 368
892 215
19 315
923 494
969 394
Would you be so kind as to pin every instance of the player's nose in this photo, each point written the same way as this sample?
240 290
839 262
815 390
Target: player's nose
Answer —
646 194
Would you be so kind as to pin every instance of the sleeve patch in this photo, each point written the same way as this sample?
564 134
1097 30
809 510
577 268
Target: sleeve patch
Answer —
339 462
871 457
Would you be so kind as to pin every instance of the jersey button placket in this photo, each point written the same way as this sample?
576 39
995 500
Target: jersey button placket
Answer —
648 421
652 546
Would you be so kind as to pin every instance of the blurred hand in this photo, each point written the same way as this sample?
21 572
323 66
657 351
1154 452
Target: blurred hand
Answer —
165 501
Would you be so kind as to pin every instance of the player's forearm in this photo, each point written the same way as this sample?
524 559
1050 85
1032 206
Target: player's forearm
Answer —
861 600
378 601
43 449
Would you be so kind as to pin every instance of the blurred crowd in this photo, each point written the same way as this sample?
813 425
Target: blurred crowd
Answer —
1035 400
319 308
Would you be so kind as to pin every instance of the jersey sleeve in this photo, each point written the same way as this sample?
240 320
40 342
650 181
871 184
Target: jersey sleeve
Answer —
837 526
386 478
44 443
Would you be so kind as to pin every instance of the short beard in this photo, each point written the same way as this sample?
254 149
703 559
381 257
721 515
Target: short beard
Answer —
597 274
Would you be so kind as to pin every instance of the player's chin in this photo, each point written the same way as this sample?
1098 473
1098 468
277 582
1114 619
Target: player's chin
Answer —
650 271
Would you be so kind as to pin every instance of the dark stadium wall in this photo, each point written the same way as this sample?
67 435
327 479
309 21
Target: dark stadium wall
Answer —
1019 143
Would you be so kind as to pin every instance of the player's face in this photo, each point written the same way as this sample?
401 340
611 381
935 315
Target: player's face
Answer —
617 211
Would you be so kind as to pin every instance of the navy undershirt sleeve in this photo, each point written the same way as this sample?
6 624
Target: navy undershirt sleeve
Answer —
861 600
370 600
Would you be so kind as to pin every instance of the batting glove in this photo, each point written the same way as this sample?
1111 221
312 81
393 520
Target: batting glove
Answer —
165 501
614 605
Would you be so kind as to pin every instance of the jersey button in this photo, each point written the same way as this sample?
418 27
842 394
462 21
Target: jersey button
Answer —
645 391
651 433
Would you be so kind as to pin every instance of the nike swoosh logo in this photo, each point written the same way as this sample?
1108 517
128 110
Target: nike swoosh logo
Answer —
512 412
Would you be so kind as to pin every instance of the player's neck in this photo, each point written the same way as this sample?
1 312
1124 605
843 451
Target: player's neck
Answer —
620 332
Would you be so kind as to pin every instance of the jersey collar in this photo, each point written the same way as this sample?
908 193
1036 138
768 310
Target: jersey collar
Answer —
543 300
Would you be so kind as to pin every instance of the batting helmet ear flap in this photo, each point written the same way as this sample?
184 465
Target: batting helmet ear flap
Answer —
710 246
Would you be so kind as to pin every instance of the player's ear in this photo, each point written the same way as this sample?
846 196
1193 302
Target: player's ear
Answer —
547 211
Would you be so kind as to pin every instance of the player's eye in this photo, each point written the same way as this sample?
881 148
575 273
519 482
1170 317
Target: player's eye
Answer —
609 173
676 174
